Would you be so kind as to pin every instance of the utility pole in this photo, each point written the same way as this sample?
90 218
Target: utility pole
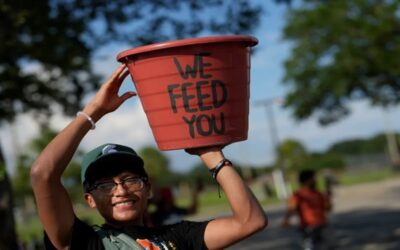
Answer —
278 175
393 148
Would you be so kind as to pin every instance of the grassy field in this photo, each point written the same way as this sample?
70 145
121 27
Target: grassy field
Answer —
353 178
210 204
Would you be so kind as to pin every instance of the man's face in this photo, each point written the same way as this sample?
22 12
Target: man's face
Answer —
121 199
312 183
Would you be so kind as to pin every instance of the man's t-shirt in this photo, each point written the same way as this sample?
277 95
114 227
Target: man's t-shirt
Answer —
311 206
180 236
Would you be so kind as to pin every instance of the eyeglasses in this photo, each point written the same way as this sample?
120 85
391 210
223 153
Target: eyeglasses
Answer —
131 183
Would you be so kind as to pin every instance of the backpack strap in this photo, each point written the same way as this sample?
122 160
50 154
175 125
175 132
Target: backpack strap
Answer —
114 240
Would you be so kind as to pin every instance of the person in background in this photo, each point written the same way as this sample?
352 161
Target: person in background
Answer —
116 185
311 206
166 211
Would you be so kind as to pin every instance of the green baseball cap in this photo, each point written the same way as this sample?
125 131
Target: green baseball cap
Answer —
109 158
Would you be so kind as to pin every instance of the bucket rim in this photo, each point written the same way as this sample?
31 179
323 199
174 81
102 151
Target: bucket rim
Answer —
250 41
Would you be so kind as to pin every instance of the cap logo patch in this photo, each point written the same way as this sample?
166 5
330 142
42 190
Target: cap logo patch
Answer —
109 149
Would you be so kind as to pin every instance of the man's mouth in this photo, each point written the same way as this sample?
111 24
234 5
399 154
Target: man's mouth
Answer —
124 203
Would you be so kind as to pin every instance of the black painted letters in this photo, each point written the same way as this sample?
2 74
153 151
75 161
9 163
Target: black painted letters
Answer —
202 94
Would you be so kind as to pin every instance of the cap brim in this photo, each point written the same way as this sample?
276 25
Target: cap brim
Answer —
113 163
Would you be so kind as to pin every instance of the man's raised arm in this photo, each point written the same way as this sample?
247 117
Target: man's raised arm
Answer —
53 203
247 216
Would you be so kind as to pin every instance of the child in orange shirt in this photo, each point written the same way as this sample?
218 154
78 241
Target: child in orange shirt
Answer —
311 207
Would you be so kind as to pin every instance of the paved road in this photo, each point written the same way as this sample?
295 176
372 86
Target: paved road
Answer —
365 217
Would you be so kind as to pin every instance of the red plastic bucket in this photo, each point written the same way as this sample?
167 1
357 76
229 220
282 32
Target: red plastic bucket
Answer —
195 92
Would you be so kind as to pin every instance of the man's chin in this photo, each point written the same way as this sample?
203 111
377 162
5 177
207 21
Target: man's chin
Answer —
128 219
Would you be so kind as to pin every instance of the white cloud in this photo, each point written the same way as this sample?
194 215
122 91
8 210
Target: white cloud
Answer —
15 136
126 126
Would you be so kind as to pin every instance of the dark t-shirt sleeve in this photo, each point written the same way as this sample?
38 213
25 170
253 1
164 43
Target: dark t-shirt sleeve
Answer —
192 234
83 237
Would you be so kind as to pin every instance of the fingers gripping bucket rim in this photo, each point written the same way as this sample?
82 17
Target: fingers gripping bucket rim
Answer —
195 92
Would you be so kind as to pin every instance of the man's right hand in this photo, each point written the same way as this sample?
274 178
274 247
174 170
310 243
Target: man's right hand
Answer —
107 99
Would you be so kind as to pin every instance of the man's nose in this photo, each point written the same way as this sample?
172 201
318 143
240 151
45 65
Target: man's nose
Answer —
120 188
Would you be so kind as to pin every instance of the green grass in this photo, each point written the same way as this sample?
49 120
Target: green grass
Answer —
211 205
359 177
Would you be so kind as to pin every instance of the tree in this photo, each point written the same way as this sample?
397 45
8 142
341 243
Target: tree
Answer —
156 164
60 37
21 180
8 239
71 178
318 162
342 51
22 189
199 173
360 146
291 154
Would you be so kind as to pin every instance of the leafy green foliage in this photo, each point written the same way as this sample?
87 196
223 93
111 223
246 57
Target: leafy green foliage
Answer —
71 179
2 170
294 157
323 161
48 46
21 180
156 164
341 51
47 39
8 239
200 173
291 154
37 144
365 146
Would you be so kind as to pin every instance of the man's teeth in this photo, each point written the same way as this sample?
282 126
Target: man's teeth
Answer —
125 203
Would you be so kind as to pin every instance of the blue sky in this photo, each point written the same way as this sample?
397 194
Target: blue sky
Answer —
128 125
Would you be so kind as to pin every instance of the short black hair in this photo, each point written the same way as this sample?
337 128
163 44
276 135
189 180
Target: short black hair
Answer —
306 175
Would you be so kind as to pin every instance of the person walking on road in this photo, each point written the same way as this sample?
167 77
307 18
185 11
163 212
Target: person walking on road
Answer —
116 184
311 206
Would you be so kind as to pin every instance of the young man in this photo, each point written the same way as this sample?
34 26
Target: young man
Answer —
116 185
311 207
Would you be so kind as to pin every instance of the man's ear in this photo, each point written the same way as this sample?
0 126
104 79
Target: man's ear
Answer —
150 194
89 200
149 191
